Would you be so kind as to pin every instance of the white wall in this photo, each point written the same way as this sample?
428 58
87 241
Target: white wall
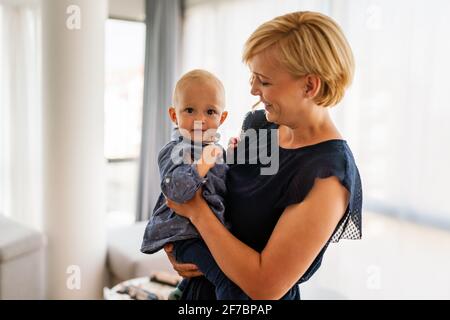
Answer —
73 159
127 9
394 260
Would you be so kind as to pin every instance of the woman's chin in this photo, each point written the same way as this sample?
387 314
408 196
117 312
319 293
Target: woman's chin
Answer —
269 116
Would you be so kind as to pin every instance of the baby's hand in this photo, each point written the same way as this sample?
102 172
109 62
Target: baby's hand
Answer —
210 154
208 160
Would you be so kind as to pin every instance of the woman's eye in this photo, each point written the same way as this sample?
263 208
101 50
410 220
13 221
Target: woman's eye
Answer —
264 84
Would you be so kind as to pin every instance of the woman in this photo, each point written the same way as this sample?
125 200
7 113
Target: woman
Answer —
281 224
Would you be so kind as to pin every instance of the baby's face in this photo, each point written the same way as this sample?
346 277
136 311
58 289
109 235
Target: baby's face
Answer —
199 111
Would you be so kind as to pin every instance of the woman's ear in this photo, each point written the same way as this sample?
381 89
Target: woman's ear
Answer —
173 115
223 116
312 85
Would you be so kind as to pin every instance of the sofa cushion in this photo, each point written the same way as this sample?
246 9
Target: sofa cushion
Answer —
17 240
126 261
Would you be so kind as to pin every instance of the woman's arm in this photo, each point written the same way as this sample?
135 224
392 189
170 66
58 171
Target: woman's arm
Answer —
301 232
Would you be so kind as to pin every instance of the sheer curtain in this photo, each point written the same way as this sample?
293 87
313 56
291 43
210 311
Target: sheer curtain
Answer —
396 112
20 112
163 18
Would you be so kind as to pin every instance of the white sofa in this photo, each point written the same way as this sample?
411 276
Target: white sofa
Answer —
22 253
125 260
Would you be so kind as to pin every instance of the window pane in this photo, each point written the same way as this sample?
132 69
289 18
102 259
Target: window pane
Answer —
125 59
125 51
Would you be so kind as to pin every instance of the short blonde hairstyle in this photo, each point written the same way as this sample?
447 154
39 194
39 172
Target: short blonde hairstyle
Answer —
308 43
201 76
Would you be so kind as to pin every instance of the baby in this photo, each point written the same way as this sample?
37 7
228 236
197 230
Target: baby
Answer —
190 161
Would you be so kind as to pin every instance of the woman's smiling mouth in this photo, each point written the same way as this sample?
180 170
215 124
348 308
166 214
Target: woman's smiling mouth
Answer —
267 105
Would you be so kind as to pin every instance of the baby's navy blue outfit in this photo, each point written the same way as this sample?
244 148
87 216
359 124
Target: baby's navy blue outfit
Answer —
179 182
255 202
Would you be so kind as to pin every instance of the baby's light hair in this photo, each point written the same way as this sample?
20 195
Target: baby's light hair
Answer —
197 75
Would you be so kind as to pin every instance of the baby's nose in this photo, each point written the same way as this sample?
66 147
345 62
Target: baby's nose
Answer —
201 118
199 123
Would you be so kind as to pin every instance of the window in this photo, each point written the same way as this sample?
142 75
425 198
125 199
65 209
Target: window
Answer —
125 51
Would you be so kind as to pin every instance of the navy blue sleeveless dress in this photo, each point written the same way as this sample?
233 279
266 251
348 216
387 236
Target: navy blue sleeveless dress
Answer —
255 202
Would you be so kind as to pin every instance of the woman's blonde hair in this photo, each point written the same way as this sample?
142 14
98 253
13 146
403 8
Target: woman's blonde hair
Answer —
308 43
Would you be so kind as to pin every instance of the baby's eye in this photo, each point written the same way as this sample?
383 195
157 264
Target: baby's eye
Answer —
189 110
211 112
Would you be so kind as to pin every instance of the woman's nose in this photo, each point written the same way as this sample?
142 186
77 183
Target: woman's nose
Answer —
255 90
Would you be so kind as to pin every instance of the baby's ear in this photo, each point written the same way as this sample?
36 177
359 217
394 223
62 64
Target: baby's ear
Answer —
173 115
223 116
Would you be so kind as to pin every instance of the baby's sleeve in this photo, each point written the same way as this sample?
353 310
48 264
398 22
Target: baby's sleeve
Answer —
179 180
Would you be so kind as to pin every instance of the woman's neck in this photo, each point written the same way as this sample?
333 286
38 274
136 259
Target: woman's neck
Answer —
312 129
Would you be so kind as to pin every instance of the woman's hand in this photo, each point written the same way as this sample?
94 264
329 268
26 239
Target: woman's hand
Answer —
186 270
190 208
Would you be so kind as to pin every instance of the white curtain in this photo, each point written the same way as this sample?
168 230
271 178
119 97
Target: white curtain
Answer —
20 112
395 116
163 19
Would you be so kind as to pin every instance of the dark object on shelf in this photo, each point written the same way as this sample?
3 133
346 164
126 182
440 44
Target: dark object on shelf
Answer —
138 293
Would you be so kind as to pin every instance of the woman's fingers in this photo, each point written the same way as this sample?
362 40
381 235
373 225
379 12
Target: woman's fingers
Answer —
172 205
186 270
168 248
185 267
190 274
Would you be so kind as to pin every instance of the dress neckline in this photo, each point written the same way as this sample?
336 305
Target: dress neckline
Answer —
315 145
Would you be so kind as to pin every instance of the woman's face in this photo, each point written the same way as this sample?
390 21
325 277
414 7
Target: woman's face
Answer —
282 94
